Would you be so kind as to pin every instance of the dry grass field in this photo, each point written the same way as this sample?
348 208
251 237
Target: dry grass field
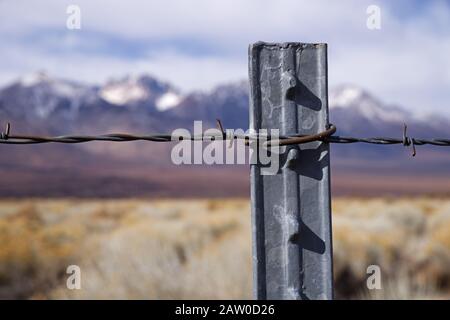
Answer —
196 249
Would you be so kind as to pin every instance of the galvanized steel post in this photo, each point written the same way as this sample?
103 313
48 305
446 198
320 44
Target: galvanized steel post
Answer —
291 214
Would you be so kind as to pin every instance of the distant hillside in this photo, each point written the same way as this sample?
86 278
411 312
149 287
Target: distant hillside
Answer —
41 104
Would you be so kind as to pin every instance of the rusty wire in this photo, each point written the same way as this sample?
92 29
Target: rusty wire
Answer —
8 138
326 136
405 140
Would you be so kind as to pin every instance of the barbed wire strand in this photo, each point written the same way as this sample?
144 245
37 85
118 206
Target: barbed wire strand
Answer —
326 136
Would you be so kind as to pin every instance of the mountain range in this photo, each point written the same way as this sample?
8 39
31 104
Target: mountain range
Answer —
45 105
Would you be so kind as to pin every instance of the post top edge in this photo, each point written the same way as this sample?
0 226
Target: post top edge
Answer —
281 45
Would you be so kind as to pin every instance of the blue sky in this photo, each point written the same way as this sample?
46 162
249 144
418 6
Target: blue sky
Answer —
201 43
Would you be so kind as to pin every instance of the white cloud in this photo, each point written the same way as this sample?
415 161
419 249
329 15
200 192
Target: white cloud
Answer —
215 20
405 62
187 72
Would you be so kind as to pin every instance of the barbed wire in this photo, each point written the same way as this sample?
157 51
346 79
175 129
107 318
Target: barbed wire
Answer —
405 141
326 136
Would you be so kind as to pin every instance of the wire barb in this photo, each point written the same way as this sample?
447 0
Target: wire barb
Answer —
408 141
219 125
224 133
5 135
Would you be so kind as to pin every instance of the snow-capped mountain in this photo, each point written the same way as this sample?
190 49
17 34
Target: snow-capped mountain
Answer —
39 103
143 101
133 90
38 95
356 111
350 98
228 102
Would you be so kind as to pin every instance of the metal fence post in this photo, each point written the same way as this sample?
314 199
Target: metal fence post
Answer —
291 214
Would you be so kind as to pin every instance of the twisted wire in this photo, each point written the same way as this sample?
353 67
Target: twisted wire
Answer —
326 136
